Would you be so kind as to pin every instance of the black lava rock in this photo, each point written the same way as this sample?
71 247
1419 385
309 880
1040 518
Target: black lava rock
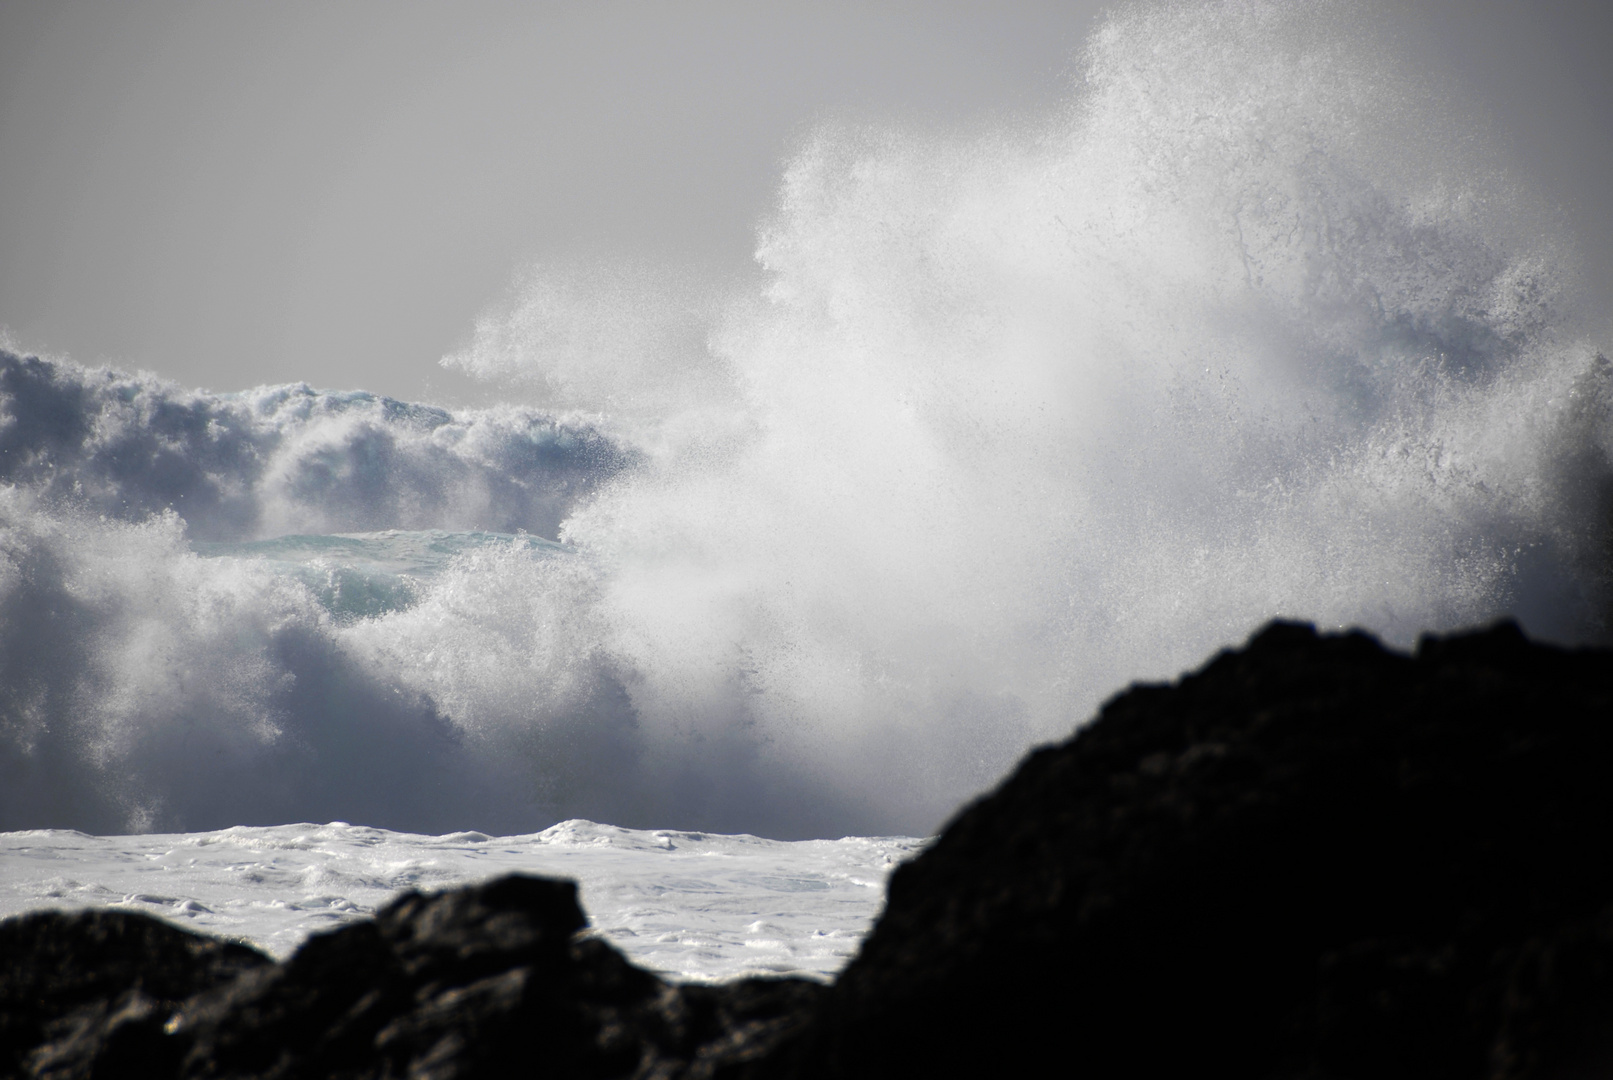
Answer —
488 981
101 984
1314 859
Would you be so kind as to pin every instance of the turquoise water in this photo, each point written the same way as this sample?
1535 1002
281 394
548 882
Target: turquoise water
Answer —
364 575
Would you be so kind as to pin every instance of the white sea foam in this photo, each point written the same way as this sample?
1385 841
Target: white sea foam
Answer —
1253 327
690 905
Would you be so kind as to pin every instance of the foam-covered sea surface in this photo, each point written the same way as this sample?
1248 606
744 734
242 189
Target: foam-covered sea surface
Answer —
693 906
1259 323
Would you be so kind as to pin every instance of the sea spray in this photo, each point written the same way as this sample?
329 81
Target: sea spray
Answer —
289 459
1254 326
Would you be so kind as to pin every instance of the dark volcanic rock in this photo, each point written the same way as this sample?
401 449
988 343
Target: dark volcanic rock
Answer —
1312 860
73 985
487 981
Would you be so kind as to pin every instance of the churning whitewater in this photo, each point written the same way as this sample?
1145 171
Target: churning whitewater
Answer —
1253 326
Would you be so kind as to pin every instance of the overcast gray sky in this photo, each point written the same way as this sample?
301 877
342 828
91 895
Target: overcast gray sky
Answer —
232 193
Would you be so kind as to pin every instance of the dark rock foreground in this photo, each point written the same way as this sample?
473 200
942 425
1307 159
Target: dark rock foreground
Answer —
1313 858
487 981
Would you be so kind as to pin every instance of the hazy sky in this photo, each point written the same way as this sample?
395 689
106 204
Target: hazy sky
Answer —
233 193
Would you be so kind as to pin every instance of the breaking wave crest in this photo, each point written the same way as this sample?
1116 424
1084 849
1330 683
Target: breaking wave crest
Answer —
1252 327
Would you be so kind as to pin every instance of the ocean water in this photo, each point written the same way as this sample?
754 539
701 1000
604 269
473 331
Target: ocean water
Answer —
693 906
1257 324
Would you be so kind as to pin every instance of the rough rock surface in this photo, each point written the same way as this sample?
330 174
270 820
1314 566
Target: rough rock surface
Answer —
487 981
101 982
1314 858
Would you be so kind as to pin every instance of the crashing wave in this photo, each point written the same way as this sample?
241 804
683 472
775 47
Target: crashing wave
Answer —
1252 328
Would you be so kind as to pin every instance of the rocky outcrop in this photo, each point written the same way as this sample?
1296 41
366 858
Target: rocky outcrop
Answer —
488 981
99 986
1314 858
